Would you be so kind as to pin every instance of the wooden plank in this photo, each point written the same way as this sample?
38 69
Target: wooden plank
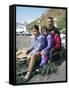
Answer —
21 54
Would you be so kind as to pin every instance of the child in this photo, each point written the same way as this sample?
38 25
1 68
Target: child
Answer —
38 43
56 44
48 45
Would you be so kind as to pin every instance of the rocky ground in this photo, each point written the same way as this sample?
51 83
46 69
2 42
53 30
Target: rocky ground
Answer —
23 41
60 75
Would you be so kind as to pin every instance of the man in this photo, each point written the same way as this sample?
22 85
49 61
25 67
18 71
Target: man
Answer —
38 43
57 41
51 25
56 44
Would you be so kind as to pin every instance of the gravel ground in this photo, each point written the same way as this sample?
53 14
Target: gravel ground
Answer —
60 75
23 41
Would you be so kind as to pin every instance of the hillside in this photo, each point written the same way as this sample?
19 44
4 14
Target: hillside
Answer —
59 14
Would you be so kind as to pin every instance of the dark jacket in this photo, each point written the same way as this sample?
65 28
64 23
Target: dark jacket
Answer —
56 30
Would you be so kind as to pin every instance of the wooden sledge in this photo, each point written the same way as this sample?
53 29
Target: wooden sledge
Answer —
21 54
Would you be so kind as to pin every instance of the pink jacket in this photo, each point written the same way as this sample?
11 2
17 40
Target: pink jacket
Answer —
57 41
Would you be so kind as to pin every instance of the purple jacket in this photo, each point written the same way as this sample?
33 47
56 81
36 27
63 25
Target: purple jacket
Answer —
49 42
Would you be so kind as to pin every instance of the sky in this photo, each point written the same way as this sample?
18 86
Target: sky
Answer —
28 14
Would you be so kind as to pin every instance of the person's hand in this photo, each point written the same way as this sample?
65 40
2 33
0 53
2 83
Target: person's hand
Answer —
52 49
49 62
42 52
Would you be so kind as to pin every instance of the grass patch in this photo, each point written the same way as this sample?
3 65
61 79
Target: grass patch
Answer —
48 69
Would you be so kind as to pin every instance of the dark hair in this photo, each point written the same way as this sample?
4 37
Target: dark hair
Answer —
50 18
35 27
44 27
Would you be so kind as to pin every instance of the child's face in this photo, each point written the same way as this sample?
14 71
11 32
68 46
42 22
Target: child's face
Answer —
44 31
52 32
34 32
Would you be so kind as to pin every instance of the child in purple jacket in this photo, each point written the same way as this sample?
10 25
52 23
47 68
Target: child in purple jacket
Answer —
49 45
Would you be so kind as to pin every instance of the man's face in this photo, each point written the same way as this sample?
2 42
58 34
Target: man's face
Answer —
34 32
50 22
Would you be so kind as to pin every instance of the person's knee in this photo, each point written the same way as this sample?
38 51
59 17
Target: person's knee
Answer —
33 56
38 53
